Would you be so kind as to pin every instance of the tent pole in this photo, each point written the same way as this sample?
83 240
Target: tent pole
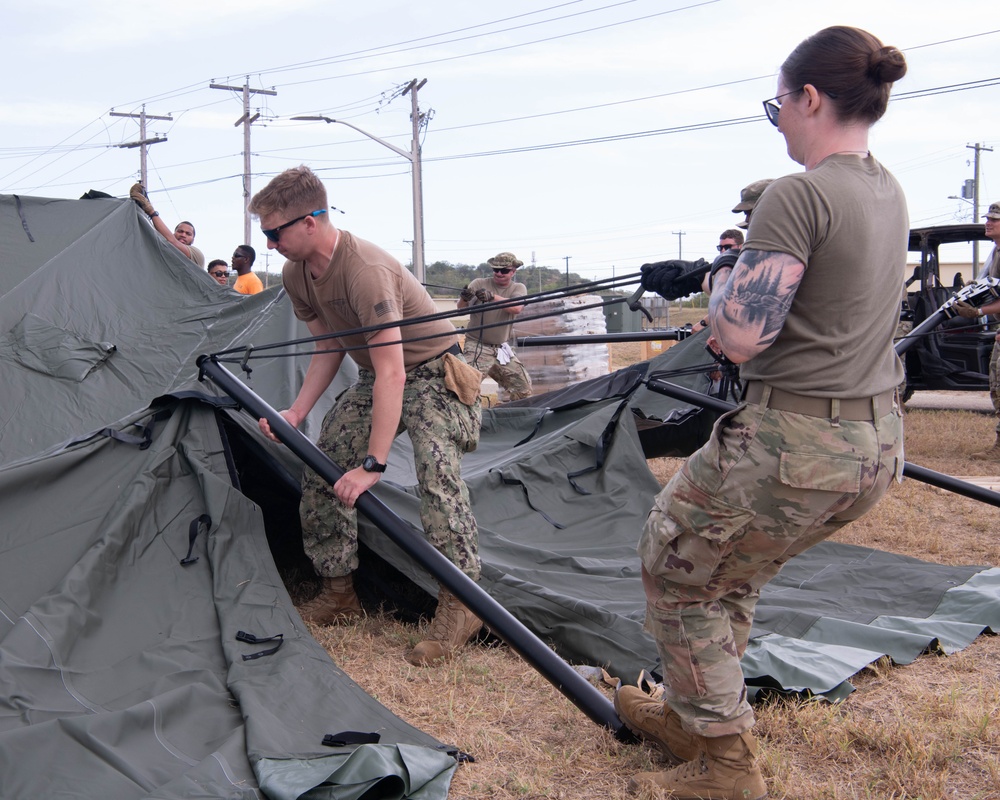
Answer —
567 680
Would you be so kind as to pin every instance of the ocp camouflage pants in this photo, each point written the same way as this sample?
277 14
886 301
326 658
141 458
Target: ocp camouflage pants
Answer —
441 429
767 485
512 376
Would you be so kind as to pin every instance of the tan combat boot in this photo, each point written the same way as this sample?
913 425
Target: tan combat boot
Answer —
654 721
453 625
990 454
725 769
336 602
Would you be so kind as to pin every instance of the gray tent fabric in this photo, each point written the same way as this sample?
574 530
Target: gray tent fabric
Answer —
117 305
123 673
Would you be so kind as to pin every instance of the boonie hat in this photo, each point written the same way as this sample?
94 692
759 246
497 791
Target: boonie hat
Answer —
505 260
751 194
993 212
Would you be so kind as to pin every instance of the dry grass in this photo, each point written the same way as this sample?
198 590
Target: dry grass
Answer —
927 730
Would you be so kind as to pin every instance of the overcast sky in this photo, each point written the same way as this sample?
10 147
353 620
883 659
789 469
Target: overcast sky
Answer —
613 133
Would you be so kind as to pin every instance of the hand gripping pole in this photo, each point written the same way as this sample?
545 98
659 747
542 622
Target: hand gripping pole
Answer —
567 680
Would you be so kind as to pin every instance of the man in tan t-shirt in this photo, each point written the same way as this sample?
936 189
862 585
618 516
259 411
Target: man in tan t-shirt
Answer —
340 284
182 237
487 339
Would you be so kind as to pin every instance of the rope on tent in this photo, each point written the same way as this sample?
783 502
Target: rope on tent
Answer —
262 351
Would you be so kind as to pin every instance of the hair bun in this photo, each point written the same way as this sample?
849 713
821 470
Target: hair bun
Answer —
886 65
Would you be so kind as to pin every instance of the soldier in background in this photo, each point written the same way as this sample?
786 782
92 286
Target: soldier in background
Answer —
183 234
247 282
748 199
219 270
487 344
991 269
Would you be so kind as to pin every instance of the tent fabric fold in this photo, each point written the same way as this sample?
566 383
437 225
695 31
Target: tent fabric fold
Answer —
120 667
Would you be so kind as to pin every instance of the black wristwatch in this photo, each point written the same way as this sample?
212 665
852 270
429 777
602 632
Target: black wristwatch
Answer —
370 464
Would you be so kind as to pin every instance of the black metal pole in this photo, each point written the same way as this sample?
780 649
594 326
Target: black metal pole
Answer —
921 474
567 680
666 335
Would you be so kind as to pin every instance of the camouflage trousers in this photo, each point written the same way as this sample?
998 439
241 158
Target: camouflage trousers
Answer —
766 486
512 376
995 380
441 429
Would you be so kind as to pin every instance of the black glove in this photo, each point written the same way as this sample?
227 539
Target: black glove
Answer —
467 294
484 296
673 279
725 260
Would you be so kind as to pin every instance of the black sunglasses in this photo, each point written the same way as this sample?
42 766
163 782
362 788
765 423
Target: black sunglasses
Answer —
722 248
274 234
503 270
219 274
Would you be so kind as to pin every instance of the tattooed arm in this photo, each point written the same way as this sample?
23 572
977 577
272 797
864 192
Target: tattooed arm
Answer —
748 311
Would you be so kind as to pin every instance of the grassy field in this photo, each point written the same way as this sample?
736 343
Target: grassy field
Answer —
927 730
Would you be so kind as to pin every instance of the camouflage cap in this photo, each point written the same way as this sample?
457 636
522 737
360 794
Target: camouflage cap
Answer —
993 212
505 260
751 194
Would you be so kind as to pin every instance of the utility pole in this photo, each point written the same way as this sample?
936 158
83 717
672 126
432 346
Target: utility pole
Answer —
567 258
679 234
413 156
978 148
418 182
143 141
246 120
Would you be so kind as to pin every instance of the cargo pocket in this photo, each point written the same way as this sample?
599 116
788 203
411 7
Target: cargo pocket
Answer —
823 473
687 534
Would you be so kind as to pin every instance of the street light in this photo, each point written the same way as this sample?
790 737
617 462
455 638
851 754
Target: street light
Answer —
413 156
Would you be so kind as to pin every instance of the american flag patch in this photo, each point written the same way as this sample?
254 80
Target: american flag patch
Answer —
383 308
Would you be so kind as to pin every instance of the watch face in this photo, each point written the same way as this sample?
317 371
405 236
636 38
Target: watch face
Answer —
370 464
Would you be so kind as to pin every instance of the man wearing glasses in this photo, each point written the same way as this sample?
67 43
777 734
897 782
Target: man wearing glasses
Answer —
219 270
409 376
731 239
487 339
247 282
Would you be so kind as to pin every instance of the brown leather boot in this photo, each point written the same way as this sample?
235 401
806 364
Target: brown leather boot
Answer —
336 602
453 625
655 722
990 454
725 769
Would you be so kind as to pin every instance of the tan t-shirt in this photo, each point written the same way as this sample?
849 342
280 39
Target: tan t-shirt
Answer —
366 286
197 256
501 333
846 221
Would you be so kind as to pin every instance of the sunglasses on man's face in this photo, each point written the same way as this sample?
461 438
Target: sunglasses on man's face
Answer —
502 270
722 248
274 234
218 274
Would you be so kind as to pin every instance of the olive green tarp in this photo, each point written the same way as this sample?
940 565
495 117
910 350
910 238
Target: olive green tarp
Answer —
120 674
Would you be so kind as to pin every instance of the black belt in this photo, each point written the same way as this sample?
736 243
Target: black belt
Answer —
857 409
454 350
